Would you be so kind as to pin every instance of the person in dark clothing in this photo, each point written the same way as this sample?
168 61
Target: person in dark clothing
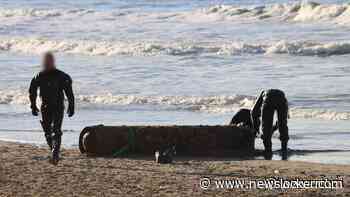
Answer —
265 106
53 84
242 118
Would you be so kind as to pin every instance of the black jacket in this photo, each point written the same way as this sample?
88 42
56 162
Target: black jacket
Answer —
271 96
53 85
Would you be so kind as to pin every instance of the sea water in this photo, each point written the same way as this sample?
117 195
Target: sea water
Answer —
183 62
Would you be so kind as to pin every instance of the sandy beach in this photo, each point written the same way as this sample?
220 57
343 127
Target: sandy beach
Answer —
190 64
25 171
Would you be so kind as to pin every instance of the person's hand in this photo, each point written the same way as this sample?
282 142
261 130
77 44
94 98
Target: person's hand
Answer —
35 111
70 111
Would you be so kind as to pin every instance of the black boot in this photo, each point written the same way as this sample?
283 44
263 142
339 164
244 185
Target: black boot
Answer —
268 149
48 138
48 133
284 150
56 148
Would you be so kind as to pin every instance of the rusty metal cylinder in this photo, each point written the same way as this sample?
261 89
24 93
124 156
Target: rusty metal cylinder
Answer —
189 140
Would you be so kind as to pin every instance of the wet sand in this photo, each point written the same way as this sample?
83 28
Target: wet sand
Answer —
25 171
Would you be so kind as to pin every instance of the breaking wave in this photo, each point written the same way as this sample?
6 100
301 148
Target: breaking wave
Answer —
294 12
208 104
21 98
107 48
297 12
45 13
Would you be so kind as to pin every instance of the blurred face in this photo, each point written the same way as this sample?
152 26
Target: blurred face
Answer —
48 62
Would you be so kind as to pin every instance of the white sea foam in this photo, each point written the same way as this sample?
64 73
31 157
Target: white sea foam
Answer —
13 97
20 97
296 12
319 114
7 13
106 48
344 18
33 12
302 12
316 12
209 104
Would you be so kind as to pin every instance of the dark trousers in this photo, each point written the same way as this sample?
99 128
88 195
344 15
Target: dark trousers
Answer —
52 117
280 105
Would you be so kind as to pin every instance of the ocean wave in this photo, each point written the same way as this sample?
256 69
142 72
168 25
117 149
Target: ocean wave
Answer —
319 114
297 12
44 13
294 12
150 48
21 98
207 104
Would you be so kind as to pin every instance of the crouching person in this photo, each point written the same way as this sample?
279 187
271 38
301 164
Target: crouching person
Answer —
53 84
265 106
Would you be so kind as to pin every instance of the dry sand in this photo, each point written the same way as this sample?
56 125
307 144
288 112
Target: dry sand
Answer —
25 171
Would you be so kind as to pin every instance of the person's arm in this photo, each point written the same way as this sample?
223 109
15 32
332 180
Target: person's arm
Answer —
68 90
256 112
33 93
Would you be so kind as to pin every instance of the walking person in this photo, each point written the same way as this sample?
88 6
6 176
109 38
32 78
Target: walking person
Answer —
53 84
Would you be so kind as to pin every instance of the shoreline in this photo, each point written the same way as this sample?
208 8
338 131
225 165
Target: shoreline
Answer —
324 156
25 171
